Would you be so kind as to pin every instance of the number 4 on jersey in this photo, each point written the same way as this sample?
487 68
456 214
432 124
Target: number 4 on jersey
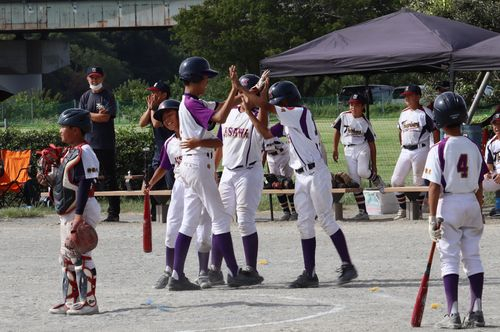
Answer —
462 165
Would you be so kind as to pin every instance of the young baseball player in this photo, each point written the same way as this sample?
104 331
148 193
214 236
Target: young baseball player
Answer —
74 201
492 156
170 158
313 179
356 133
455 169
415 125
241 183
197 172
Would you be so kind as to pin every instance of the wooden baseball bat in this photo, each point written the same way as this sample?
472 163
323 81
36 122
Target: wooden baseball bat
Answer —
147 242
418 308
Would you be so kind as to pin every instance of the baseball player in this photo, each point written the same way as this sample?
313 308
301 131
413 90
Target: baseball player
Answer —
492 156
313 179
241 183
170 158
277 155
455 169
74 201
197 172
356 133
415 125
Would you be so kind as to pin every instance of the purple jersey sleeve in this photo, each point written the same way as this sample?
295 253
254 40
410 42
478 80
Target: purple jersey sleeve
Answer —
277 130
164 159
484 170
219 133
201 114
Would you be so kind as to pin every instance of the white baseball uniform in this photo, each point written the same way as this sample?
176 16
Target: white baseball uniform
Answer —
278 161
457 165
170 158
241 183
355 134
313 179
492 157
416 127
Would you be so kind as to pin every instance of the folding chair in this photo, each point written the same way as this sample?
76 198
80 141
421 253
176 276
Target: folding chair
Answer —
16 187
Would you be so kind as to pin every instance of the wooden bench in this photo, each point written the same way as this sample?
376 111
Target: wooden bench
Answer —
413 211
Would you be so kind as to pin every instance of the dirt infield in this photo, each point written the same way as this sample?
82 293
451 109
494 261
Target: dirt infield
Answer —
390 258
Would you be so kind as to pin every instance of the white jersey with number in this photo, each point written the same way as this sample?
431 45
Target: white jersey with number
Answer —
353 131
242 144
300 128
416 126
463 165
492 153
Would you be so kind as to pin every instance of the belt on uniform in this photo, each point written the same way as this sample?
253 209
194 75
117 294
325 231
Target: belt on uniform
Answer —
208 154
275 153
413 147
349 145
241 166
309 167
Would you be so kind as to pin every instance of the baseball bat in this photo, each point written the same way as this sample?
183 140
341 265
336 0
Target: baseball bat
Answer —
147 242
418 308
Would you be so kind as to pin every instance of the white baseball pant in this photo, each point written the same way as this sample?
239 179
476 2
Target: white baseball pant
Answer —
358 160
410 159
278 165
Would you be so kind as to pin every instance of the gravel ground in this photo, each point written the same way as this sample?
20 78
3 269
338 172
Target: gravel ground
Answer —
390 257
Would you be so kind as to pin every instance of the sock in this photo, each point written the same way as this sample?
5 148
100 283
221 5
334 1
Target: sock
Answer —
251 247
420 200
309 254
401 200
476 282
283 203
292 204
203 258
360 200
224 243
340 244
180 253
216 256
497 203
169 259
451 289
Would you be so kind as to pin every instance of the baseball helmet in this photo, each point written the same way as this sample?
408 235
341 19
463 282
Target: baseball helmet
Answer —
284 90
248 81
165 106
194 68
76 117
449 110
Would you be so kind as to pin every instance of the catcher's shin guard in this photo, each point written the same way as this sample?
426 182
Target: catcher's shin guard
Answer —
87 283
69 288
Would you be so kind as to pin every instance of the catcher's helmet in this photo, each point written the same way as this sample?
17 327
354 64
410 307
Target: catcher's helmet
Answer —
284 90
194 68
248 81
76 117
165 106
449 110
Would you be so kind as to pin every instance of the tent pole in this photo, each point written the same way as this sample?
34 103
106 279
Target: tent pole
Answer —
477 97
452 78
367 95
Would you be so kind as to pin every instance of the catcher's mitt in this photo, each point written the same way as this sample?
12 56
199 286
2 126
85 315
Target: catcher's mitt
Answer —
82 239
343 180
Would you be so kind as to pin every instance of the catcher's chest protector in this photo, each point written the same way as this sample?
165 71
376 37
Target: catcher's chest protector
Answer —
66 187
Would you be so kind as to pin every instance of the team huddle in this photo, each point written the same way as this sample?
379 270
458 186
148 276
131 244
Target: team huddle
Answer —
203 205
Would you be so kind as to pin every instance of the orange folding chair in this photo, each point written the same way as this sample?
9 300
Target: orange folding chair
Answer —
14 178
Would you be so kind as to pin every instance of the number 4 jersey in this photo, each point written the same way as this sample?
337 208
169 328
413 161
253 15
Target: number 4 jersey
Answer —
457 164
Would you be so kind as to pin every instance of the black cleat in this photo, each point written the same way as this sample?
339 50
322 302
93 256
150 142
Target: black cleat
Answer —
243 279
347 272
183 284
474 319
112 219
252 273
215 277
305 281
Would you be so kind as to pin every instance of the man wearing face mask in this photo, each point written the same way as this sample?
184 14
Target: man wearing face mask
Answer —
101 104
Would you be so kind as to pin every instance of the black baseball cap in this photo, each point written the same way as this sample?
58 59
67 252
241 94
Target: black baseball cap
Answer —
160 86
412 89
97 71
357 99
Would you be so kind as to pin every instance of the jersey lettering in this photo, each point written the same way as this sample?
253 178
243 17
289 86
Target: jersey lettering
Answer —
462 165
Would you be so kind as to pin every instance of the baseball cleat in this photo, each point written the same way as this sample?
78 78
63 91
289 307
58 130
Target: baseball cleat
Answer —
362 215
181 284
243 279
379 183
400 215
286 216
347 272
83 308
162 282
305 281
215 277
474 319
203 281
294 216
60 309
251 272
451 321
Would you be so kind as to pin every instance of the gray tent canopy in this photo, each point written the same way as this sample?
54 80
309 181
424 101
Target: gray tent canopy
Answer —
481 56
398 42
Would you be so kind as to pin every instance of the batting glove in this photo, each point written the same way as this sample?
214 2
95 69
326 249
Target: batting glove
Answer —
435 231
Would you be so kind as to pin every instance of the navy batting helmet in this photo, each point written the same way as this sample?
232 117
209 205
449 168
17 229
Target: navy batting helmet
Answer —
169 104
194 68
284 90
248 81
449 110
76 117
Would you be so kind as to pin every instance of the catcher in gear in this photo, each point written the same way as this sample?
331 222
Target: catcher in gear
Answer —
78 212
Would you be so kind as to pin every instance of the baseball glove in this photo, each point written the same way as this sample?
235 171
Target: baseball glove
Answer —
343 180
82 238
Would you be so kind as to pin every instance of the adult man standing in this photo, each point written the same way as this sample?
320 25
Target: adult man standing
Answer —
101 104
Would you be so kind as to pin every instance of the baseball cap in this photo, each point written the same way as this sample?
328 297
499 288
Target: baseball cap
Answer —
357 99
97 71
495 118
412 89
442 85
160 86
